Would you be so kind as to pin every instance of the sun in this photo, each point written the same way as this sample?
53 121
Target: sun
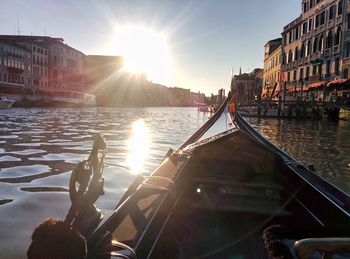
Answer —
144 51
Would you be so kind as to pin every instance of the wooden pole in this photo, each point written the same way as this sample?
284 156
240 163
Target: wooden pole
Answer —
270 99
279 106
284 97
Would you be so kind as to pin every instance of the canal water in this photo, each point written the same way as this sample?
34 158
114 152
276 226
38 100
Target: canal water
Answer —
39 148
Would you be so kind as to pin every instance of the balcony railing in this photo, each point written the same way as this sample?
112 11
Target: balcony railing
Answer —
338 19
315 78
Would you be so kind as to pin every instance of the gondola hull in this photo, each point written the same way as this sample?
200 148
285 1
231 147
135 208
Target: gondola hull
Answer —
214 197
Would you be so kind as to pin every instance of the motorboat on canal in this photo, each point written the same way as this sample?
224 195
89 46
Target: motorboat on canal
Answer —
223 194
5 102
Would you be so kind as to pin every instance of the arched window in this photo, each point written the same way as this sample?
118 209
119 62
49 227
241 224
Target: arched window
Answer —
308 50
302 51
329 40
290 57
315 47
337 36
296 54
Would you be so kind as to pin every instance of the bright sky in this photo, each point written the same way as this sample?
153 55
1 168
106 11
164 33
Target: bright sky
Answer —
200 40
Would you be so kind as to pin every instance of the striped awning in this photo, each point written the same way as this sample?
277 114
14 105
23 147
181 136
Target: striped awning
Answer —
316 85
336 82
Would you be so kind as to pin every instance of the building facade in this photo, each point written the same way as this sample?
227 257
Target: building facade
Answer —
272 67
56 68
316 46
66 67
15 67
247 86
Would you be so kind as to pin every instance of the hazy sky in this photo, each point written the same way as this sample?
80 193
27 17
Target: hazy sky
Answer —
205 38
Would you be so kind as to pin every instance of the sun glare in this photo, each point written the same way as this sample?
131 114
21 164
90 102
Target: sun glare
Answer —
138 146
144 51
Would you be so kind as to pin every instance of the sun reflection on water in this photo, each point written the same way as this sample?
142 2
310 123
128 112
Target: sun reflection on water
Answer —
138 145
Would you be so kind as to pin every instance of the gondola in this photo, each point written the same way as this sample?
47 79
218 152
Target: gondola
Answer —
225 194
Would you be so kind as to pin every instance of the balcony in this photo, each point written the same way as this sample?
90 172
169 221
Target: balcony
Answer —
15 70
326 53
338 19
330 24
315 78
307 59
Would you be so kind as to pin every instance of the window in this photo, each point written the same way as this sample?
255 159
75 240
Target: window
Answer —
304 27
331 12
315 45
322 17
310 24
308 50
307 73
302 51
340 7
337 36
301 74
317 21
314 69
347 50
336 66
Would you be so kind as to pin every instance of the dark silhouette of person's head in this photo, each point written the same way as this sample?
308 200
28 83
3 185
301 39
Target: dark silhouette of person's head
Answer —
53 239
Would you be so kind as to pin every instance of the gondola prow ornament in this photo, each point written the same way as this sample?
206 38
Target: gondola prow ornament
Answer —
85 187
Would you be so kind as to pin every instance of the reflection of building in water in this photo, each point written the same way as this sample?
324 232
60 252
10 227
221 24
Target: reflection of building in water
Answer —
246 86
272 67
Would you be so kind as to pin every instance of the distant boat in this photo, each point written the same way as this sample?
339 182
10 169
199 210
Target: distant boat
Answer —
5 102
202 107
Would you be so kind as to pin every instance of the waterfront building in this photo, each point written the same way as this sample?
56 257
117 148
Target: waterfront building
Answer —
247 86
316 48
57 68
272 67
293 50
66 67
15 67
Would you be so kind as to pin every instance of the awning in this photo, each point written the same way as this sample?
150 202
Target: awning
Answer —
336 82
291 88
316 85
276 93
